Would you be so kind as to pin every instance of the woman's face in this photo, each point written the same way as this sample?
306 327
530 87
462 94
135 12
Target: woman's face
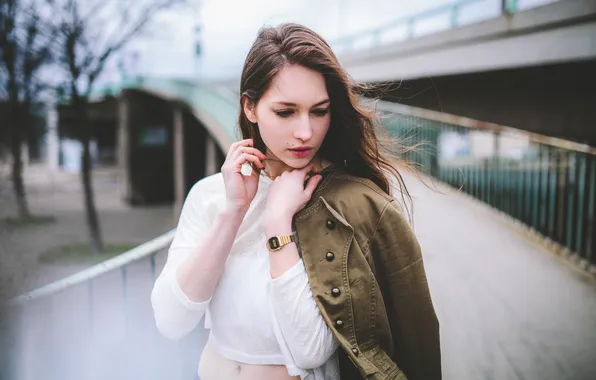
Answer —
293 115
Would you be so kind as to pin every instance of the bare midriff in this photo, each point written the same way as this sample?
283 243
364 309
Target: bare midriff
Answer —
213 366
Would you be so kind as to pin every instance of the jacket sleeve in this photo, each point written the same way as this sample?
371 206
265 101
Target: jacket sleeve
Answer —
399 269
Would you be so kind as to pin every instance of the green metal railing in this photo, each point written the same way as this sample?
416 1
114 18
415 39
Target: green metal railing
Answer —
97 324
548 184
405 27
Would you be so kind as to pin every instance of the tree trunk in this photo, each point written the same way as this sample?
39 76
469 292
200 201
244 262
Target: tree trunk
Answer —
16 124
91 211
17 171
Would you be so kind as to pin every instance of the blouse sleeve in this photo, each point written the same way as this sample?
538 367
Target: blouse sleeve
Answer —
175 314
305 333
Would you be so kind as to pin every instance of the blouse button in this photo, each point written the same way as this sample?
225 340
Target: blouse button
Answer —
330 224
339 323
330 256
335 292
355 351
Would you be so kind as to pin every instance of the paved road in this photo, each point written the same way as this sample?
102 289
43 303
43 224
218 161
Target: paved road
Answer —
508 311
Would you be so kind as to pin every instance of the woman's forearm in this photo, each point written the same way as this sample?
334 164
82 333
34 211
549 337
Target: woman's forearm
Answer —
304 331
199 273
287 257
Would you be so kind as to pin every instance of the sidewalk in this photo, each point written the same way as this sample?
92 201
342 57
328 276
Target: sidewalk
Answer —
508 309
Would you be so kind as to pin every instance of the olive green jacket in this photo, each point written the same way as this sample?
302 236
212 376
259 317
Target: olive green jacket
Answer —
367 277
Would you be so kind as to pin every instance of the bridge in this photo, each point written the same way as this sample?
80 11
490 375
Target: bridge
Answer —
525 68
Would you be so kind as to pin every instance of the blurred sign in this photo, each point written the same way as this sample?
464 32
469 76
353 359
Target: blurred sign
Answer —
154 136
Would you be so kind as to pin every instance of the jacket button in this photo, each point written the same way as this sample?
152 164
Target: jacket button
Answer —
330 256
339 323
335 292
330 224
355 351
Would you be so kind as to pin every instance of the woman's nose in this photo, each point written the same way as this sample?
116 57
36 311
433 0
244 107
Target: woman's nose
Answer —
304 130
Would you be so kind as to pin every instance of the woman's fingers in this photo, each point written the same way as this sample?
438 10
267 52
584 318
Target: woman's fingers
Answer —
233 151
237 144
304 171
241 152
311 185
244 146
253 151
245 157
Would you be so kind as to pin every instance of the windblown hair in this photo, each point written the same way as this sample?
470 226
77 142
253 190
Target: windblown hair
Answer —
354 137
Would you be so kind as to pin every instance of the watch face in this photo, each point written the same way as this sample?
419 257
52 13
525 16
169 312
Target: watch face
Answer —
274 242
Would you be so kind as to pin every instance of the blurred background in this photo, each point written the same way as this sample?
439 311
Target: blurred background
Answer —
111 110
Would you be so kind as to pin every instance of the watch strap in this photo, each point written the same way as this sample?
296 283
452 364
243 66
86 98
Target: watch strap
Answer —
275 243
286 239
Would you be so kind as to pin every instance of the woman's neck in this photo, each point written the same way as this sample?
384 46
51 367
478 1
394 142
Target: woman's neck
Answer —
274 167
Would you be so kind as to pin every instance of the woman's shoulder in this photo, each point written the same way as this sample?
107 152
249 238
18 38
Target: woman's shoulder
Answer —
207 195
343 186
359 200
208 185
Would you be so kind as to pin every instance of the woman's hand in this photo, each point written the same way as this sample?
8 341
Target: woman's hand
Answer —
287 195
240 189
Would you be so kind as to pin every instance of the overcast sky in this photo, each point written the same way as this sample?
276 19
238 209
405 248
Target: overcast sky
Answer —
230 26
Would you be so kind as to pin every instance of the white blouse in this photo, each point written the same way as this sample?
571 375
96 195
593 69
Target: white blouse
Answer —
252 318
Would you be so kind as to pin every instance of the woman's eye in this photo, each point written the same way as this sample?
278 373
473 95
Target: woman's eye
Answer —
284 113
321 112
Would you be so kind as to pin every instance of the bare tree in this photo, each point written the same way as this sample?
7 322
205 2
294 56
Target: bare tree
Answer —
25 48
93 32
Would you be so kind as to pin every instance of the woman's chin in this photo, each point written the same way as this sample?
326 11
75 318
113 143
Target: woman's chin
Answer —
298 163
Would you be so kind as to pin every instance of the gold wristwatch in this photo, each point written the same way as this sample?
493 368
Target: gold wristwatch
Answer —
276 243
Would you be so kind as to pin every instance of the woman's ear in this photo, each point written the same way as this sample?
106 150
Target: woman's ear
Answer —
249 109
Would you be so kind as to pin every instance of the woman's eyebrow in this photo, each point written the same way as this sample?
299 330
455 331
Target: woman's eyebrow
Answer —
294 104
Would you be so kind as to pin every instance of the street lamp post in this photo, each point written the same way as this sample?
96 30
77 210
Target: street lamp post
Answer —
197 48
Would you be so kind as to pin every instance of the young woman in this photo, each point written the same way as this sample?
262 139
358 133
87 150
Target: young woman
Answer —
305 268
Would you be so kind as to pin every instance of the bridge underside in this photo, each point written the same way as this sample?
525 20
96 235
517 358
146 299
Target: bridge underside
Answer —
555 100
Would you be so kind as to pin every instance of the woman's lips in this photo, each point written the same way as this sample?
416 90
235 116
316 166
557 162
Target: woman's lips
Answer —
301 152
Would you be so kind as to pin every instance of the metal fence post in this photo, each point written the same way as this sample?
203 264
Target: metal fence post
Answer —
591 222
509 6
125 297
410 31
90 307
580 195
570 188
454 15
536 183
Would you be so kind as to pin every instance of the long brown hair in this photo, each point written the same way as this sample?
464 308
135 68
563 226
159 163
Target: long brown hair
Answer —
354 137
